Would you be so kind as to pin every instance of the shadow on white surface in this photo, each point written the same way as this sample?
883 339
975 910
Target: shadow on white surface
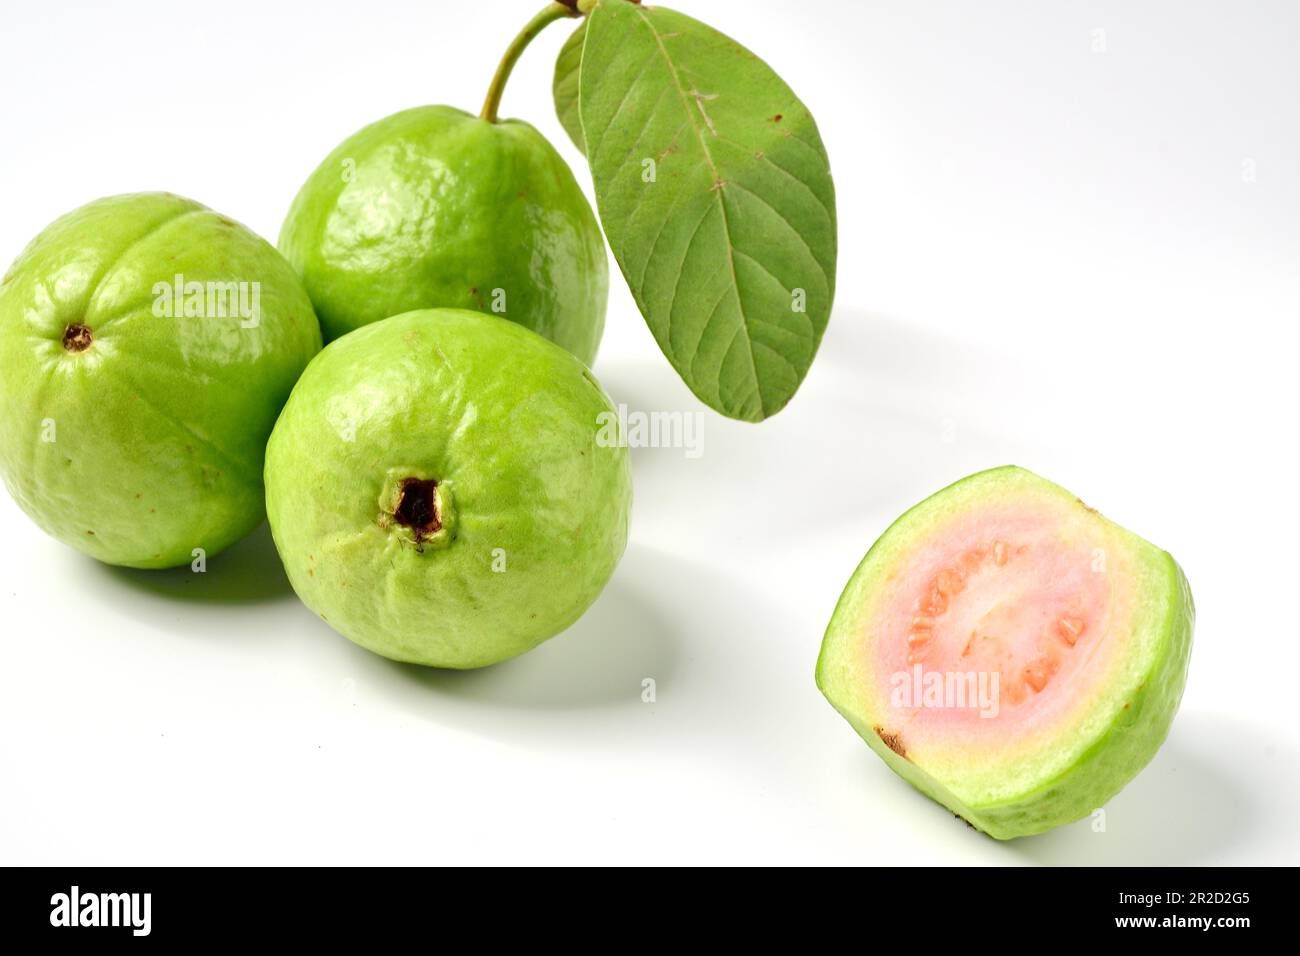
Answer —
1215 788
884 417
627 637
248 572
1219 792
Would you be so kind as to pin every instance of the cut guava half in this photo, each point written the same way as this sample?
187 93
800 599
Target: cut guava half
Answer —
1010 652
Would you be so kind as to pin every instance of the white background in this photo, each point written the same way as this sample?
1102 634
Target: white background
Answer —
1071 250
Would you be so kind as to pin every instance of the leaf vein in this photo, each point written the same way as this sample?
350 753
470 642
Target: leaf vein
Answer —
686 253
789 225
622 103
726 225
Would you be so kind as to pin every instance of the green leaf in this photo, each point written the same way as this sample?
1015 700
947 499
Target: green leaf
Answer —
715 193
565 86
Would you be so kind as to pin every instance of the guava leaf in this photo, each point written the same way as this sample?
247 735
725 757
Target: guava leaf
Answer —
715 192
565 85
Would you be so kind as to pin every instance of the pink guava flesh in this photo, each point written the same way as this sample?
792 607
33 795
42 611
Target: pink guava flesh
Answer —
999 593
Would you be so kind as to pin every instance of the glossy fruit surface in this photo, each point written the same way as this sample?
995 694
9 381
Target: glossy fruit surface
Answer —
439 491
147 345
1010 652
433 207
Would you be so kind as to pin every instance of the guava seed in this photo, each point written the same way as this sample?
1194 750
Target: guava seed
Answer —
950 582
1069 628
1039 672
77 338
417 508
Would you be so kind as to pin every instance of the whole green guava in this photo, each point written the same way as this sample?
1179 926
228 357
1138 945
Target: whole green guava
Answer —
147 345
443 488
434 208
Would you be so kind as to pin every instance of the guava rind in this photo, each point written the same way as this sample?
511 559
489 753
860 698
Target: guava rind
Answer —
509 425
148 444
433 208
1133 719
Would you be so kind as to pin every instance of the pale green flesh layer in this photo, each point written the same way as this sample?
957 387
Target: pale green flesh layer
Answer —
1107 727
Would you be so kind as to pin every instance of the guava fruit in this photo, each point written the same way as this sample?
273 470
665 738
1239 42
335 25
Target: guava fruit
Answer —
147 345
1011 653
434 208
443 491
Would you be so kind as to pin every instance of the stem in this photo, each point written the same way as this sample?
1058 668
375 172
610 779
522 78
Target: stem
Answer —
552 12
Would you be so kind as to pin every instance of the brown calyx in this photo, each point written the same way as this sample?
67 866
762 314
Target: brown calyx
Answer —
77 337
417 507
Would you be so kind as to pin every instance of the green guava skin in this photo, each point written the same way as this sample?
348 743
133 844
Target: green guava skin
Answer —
147 443
1127 728
435 208
533 503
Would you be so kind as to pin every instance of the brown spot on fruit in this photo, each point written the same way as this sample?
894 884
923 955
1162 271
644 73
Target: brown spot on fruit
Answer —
777 118
893 741
1000 553
77 337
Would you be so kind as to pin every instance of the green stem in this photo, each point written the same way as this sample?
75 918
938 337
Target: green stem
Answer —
554 11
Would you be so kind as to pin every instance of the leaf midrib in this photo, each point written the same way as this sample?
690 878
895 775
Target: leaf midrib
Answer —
722 206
